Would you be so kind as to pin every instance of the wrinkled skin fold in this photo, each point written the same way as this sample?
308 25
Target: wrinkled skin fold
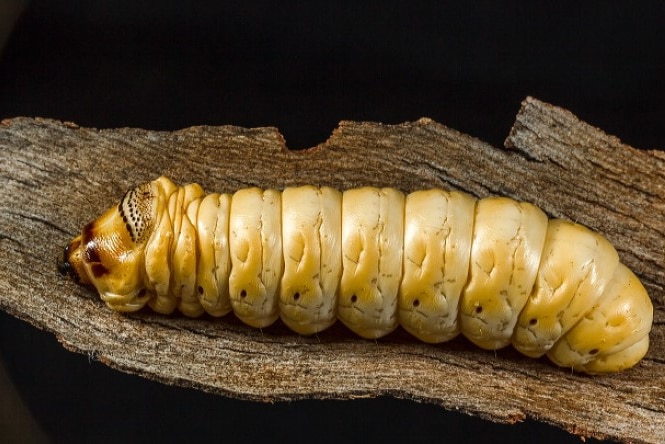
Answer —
437 263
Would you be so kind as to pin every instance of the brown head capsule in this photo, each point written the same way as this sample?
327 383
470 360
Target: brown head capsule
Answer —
109 253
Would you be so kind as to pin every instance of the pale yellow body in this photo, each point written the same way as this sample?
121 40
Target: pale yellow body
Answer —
255 244
438 227
575 267
214 264
312 242
599 340
372 240
508 238
438 263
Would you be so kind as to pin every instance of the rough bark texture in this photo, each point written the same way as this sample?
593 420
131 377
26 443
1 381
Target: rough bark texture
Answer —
54 177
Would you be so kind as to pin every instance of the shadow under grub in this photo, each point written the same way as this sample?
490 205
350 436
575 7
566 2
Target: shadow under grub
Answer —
338 333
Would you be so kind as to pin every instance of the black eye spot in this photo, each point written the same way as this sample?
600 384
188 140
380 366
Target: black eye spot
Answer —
200 290
479 310
593 351
416 302
296 296
243 293
533 321
354 298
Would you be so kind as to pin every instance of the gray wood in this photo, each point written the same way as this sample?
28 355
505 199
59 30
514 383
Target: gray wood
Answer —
55 177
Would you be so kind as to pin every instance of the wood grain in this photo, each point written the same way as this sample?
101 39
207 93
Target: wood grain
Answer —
56 176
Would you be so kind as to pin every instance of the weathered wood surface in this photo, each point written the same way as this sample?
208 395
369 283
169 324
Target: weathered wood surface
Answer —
54 177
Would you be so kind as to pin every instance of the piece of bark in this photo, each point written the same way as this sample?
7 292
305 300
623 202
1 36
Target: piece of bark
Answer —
55 177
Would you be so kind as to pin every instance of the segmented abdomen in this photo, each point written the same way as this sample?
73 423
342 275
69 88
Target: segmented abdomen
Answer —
435 262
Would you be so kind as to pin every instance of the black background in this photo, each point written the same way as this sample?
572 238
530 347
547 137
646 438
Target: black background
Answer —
303 68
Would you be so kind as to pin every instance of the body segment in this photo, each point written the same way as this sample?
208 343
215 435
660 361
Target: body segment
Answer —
312 242
438 228
372 239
